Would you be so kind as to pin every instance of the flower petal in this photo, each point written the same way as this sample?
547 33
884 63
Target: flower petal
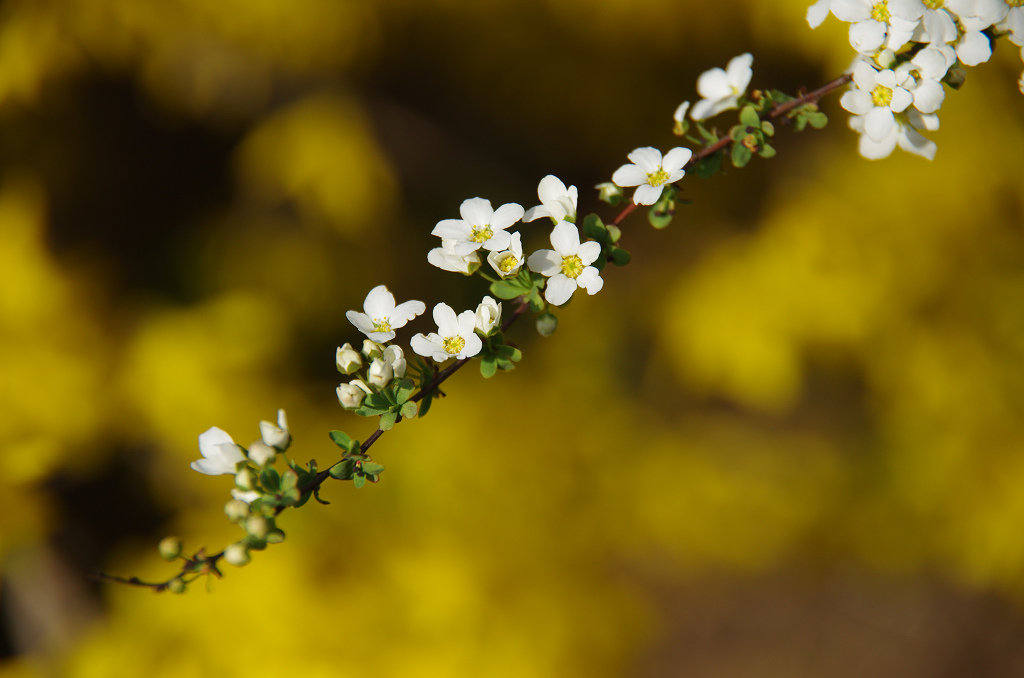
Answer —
452 229
646 158
590 280
405 312
588 252
447 322
713 85
647 194
739 72
477 211
559 289
565 238
545 262
629 175
676 159
506 215
379 302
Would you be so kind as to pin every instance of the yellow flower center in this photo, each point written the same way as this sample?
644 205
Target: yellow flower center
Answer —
572 266
656 179
381 325
881 96
454 345
1015 3
880 11
934 4
482 233
507 263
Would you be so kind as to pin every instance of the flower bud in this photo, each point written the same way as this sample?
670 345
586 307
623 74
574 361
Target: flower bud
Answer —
275 536
262 454
236 510
245 479
371 349
609 193
176 585
170 548
546 324
348 359
488 316
380 373
394 356
681 125
236 555
351 395
276 435
257 526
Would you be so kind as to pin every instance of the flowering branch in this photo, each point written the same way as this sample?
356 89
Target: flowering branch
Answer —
886 80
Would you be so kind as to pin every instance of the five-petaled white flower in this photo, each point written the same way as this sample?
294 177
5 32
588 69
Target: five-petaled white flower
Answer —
480 226
878 95
276 435
454 338
220 453
557 201
381 317
649 172
722 89
508 262
567 267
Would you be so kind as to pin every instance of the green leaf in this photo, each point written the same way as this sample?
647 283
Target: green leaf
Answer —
620 257
767 152
740 155
767 128
404 390
425 404
316 495
709 166
358 481
340 439
488 366
343 469
507 289
613 233
387 420
270 479
510 352
709 137
817 120
749 117
661 213
365 411
289 481
594 228
372 468
408 410
376 401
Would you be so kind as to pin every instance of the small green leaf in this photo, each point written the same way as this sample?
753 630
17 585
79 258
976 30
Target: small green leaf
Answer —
387 420
343 469
506 289
488 366
354 447
740 155
358 481
661 213
365 411
408 410
767 152
709 166
613 233
510 352
709 137
749 117
376 401
620 257
817 120
289 481
425 404
404 390
594 228
270 479
372 468
767 128
340 439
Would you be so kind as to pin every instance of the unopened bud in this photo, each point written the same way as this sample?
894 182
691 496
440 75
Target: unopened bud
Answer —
236 555
371 349
245 479
275 536
170 548
176 585
236 510
262 454
609 193
257 526
380 373
348 359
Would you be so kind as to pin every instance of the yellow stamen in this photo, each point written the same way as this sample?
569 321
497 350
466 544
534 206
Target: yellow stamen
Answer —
381 325
482 233
572 266
881 96
454 345
507 263
657 178
934 4
880 11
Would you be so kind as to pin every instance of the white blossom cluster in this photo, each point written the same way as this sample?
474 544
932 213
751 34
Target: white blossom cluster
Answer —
906 50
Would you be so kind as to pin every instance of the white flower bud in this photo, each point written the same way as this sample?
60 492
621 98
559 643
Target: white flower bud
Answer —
886 58
262 454
371 349
351 395
257 526
170 548
609 192
276 435
176 585
348 359
488 316
236 555
245 479
395 357
380 373
236 510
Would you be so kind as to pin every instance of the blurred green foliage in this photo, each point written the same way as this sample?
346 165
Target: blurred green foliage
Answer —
820 365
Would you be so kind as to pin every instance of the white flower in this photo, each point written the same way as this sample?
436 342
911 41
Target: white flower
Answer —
722 89
480 226
446 258
351 395
877 95
650 172
261 453
568 265
488 316
931 65
557 201
348 359
220 453
1013 23
394 356
454 337
381 317
276 436
903 134
508 262
878 23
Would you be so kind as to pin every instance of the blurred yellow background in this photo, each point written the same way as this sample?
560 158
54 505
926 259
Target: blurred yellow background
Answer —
786 441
